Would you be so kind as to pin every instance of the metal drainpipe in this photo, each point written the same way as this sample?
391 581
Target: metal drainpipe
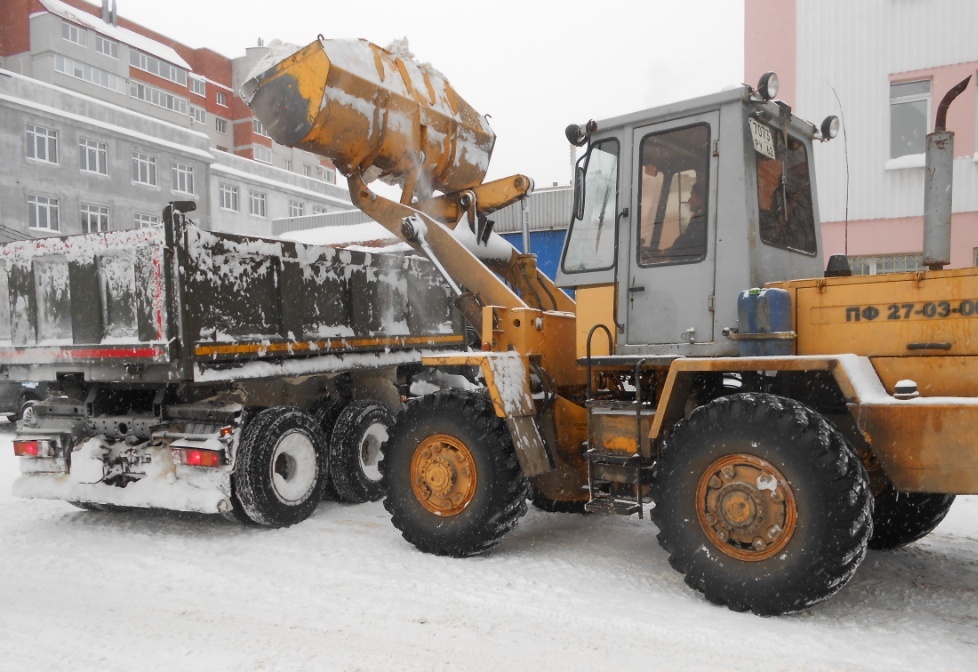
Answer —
525 223
938 177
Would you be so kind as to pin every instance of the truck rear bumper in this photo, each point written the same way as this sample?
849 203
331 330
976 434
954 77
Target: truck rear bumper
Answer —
150 492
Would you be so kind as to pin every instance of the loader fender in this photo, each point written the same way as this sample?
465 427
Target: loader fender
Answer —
505 375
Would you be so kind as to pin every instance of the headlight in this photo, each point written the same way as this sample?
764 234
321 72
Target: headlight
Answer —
830 127
767 86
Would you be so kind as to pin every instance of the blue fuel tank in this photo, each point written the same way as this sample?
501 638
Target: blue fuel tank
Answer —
764 312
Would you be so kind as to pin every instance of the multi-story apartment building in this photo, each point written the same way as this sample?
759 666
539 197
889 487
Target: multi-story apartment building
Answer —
104 121
883 67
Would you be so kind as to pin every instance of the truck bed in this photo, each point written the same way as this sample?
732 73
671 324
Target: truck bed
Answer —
180 304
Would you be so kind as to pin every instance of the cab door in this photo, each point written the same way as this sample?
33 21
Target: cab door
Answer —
671 270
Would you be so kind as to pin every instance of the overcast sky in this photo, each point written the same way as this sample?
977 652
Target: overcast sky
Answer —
534 66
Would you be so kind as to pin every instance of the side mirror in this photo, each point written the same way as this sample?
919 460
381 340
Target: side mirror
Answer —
579 192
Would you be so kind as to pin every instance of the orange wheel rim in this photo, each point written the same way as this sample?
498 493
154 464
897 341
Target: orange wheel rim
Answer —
443 475
746 507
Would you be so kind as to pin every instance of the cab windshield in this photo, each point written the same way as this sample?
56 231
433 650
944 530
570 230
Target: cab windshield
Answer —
784 190
592 236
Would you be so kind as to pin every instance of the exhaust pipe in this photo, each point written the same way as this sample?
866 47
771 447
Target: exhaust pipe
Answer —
938 177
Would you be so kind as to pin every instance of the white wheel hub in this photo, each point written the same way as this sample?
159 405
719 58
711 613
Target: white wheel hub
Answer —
294 468
373 438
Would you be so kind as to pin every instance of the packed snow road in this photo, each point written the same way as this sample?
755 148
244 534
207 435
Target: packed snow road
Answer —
148 590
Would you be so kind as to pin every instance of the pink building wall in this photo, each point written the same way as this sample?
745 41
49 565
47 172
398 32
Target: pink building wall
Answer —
769 43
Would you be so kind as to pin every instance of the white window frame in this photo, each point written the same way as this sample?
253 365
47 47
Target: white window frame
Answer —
198 114
106 46
141 220
257 203
182 175
229 196
144 169
73 33
94 218
197 86
88 73
49 206
262 153
42 144
93 156
155 66
258 128
221 125
329 175
221 98
158 97
297 209
909 99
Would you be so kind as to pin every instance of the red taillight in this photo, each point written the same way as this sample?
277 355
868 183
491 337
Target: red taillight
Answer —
196 457
30 448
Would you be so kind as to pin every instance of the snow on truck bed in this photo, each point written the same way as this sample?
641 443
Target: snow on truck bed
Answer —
193 303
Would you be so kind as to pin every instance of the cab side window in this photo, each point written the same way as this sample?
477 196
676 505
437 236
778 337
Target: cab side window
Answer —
784 195
592 239
673 196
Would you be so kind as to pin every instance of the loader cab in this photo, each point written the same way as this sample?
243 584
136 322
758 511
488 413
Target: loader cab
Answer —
680 208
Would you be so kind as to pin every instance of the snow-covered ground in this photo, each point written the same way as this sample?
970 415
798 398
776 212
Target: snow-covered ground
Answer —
150 590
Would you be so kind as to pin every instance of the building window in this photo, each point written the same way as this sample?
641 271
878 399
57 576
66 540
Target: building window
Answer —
183 178
155 66
296 209
94 218
87 73
259 128
222 98
909 114
42 143
104 45
198 114
144 169
42 213
158 97
229 197
307 170
319 210
256 200
93 156
329 175
221 125
73 33
198 86
262 153
144 219
876 264
287 164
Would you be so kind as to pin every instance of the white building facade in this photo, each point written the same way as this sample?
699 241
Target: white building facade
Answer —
882 66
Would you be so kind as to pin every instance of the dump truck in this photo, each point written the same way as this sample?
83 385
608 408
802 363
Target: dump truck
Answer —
774 415
192 370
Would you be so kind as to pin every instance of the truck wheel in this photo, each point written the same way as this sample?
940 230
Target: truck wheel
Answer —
279 467
361 430
453 484
761 504
544 503
325 416
901 518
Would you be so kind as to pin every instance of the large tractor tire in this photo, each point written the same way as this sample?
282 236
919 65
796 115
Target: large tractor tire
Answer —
453 483
544 503
761 504
901 518
278 472
360 432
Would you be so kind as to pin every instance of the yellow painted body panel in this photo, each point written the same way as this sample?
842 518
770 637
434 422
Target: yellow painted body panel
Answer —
567 481
596 305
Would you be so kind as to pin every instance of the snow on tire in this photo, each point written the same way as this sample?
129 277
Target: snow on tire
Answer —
454 486
281 461
761 504
361 430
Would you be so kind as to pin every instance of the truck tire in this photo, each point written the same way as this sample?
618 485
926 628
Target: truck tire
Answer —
361 430
761 504
901 518
544 503
278 472
325 416
454 486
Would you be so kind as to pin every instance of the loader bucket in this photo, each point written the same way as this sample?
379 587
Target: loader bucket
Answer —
373 113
